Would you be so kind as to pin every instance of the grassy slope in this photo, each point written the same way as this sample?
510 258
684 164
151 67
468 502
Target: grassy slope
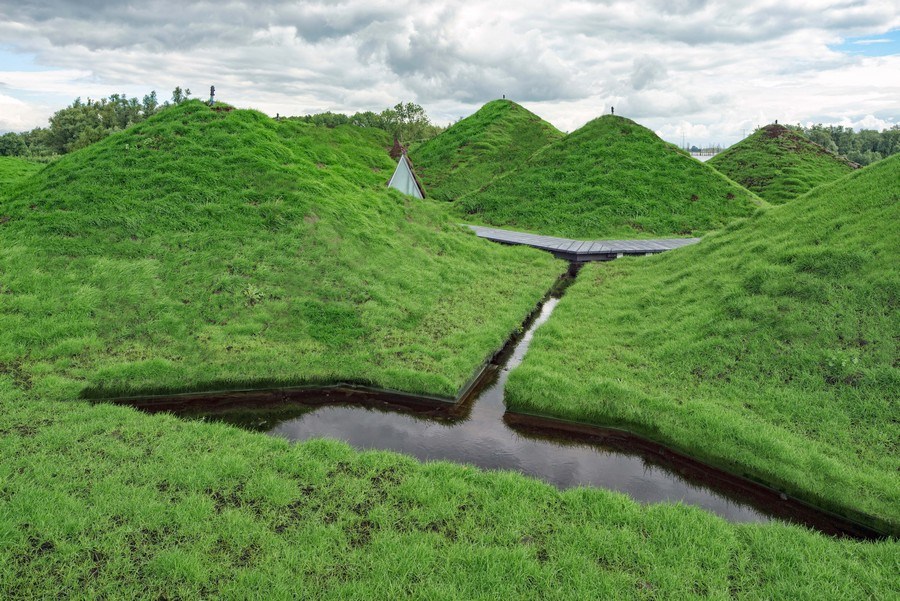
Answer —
770 347
206 249
611 178
469 154
111 503
779 164
13 170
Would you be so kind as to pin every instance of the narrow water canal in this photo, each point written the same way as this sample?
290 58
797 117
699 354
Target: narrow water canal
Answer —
475 433
478 431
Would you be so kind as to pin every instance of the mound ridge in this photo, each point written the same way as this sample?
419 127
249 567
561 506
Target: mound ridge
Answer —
769 347
780 164
611 178
472 152
207 249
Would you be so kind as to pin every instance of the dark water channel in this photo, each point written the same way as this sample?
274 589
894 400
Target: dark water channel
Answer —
481 437
478 431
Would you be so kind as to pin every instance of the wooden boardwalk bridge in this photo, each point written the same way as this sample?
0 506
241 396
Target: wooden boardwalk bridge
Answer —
581 251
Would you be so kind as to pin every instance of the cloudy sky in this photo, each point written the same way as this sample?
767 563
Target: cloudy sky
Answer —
705 70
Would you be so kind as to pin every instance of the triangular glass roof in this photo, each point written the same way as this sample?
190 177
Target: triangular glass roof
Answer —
405 180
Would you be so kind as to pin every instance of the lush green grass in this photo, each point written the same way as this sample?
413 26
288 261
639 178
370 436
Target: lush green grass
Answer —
13 170
224 249
470 153
770 348
780 164
104 502
611 178
205 249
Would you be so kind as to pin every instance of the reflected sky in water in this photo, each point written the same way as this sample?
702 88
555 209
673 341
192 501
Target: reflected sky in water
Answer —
481 438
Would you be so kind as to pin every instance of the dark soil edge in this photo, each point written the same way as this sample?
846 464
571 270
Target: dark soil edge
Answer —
156 400
759 494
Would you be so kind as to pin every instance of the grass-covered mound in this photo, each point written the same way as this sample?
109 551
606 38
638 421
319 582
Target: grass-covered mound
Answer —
104 502
769 348
208 249
780 164
610 179
470 153
13 170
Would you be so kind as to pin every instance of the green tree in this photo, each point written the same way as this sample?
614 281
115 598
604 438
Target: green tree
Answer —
83 123
150 104
367 119
12 145
327 119
37 142
408 122
864 146
179 95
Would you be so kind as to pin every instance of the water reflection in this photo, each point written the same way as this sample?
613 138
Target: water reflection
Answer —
476 434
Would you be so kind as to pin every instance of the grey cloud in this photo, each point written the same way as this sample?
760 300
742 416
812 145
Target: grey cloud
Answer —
421 51
178 25
679 7
656 59
699 22
647 72
641 105
327 21
170 24
432 60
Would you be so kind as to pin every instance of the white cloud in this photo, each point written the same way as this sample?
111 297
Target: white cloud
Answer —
864 122
53 82
710 67
16 115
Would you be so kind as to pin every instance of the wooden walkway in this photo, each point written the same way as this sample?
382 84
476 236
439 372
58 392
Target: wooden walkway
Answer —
582 250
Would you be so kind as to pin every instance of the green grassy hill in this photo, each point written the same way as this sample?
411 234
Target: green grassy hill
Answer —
780 164
612 178
472 152
770 348
115 504
13 170
208 249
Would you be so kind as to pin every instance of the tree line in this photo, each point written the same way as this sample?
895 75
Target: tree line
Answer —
84 122
408 122
863 147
